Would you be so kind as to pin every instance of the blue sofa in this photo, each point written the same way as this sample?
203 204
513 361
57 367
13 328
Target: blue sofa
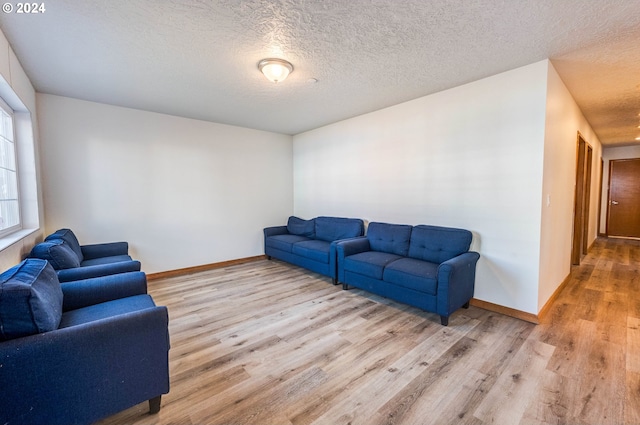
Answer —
78 352
311 243
73 261
428 267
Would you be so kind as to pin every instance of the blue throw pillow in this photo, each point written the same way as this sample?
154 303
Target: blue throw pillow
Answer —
300 227
57 252
30 299
70 238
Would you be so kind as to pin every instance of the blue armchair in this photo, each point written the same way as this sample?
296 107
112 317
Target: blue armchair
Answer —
73 261
78 352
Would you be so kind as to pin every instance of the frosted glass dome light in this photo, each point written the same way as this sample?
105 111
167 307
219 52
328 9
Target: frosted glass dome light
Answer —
276 70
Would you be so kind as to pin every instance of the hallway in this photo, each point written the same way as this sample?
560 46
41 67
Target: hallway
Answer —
595 326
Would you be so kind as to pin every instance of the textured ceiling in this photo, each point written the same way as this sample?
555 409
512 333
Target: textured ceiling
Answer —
199 58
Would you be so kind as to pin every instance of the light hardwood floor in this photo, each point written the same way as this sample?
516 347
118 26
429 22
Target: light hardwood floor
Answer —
267 343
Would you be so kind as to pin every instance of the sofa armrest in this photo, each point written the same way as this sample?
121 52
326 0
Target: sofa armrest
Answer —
111 249
82 293
275 230
98 270
86 372
347 247
456 282
333 256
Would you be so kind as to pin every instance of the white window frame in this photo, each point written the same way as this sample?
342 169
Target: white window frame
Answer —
6 109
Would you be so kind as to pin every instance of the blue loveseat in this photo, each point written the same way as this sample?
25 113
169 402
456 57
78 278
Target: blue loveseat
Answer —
73 261
428 267
311 243
77 352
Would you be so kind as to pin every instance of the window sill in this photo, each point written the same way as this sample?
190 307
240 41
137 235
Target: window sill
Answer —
7 241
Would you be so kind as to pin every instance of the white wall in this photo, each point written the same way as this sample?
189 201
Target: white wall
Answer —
622 152
17 91
182 192
563 121
469 157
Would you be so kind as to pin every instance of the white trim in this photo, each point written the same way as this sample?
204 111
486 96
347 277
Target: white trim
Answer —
5 109
12 238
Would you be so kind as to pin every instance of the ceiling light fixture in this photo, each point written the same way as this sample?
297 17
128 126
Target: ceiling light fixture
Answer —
276 70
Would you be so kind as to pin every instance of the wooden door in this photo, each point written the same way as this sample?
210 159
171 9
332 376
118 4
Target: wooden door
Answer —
587 200
581 201
624 198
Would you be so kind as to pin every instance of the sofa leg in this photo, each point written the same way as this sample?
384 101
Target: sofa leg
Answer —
154 405
444 320
466 305
268 257
345 286
335 281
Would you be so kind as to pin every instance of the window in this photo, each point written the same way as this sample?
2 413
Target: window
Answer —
9 203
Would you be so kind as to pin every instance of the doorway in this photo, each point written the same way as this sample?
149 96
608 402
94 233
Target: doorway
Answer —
623 206
582 200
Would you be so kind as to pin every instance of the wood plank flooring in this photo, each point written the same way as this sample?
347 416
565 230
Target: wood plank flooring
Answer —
267 343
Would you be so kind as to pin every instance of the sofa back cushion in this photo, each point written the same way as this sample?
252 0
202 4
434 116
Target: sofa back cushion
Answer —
30 299
391 238
70 238
331 229
57 252
438 244
300 227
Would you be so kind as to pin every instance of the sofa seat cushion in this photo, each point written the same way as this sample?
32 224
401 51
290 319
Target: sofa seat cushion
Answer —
106 260
316 250
30 299
106 310
369 263
413 274
284 242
